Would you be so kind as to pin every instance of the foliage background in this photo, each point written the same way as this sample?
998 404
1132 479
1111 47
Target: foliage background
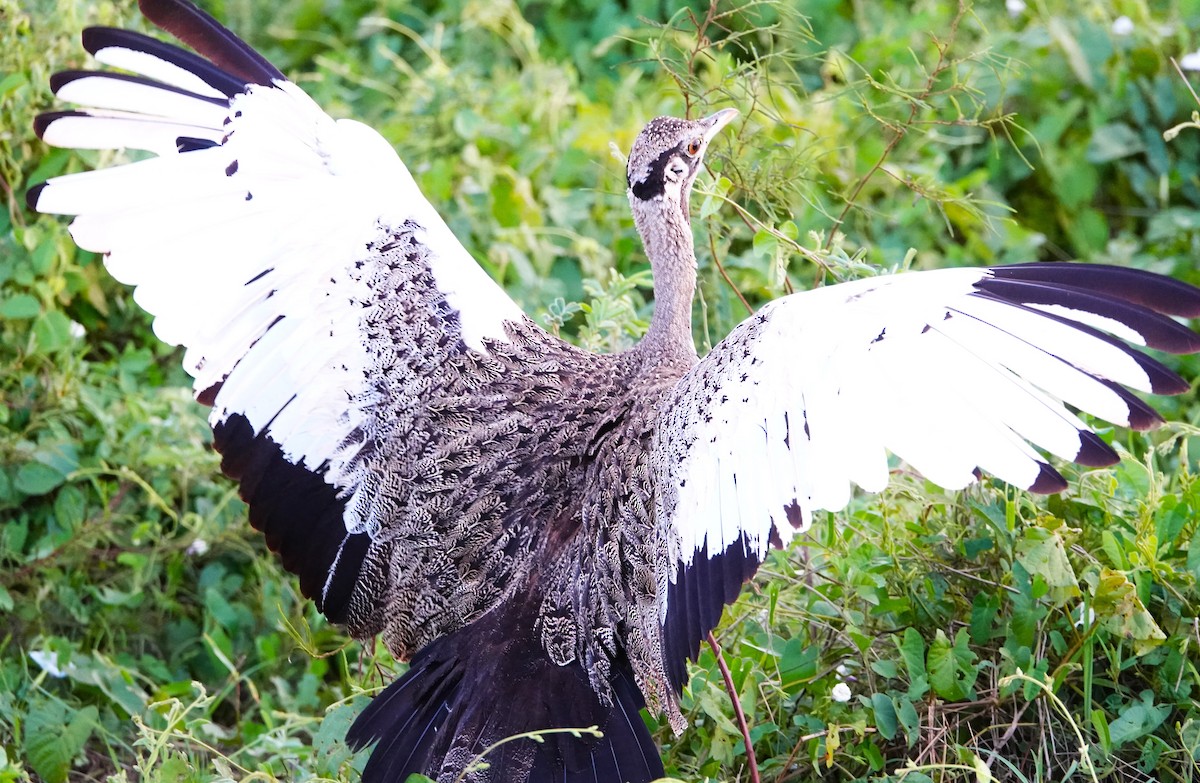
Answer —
987 634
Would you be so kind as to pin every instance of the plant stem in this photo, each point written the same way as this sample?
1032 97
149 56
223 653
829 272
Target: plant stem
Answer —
737 708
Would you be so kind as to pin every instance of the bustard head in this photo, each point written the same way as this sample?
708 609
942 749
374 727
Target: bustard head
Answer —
666 157
663 163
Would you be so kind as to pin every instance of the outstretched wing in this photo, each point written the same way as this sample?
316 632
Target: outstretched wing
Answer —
954 371
293 255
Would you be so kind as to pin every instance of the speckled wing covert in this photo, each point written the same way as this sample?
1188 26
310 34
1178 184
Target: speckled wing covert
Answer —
954 371
295 258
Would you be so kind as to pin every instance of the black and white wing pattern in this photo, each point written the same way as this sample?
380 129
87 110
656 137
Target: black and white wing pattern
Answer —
955 371
316 290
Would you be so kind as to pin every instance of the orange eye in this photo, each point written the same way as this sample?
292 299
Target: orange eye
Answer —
693 147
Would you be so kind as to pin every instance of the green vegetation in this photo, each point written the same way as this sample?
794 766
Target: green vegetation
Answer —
149 635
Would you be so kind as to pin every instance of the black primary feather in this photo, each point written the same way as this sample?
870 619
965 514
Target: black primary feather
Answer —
97 38
211 39
1158 292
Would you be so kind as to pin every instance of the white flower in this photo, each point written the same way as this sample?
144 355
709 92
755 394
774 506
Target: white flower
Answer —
1015 7
1122 26
197 547
47 661
841 692
1190 61
77 331
1083 622
842 670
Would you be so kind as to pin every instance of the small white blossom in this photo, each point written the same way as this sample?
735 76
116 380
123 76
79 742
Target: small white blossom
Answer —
1122 26
1083 621
76 330
47 661
1015 7
1190 61
197 547
841 692
842 670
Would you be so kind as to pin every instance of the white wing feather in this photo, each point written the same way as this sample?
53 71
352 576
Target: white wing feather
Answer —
246 251
922 365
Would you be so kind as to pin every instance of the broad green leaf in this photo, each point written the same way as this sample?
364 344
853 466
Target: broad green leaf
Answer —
952 668
984 608
1043 554
885 715
34 478
54 735
912 650
70 507
20 306
53 331
1119 609
909 718
1137 719
1114 141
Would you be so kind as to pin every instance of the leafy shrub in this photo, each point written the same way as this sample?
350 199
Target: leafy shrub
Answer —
151 636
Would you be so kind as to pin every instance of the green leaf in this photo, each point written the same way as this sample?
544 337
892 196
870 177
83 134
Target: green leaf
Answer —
34 478
1042 553
909 718
20 306
984 608
53 331
912 650
1101 727
1073 51
54 736
1113 142
1120 611
1137 720
885 715
70 507
952 669
1193 555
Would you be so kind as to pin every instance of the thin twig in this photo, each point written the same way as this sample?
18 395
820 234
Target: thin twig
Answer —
900 130
737 708
712 244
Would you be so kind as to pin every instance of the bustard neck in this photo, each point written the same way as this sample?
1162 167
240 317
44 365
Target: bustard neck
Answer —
667 236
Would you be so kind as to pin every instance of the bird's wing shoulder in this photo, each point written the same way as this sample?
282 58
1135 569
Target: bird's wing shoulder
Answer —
954 371
329 314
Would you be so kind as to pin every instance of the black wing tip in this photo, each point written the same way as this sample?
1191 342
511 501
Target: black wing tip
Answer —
63 78
212 40
696 599
1166 382
1143 417
31 195
299 513
43 121
1094 452
97 38
1048 482
1144 303
1159 292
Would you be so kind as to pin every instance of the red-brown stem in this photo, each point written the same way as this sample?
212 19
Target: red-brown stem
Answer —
737 708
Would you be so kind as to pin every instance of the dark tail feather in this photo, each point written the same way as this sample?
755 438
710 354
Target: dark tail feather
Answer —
489 681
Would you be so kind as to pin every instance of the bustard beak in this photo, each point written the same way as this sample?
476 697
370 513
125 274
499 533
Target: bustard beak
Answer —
713 124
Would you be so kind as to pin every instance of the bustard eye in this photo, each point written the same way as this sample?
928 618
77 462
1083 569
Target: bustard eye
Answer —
693 147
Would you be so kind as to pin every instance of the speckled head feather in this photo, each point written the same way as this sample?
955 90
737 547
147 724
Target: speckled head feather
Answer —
669 150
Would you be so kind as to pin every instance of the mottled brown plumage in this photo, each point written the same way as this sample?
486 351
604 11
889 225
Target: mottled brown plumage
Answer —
522 477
